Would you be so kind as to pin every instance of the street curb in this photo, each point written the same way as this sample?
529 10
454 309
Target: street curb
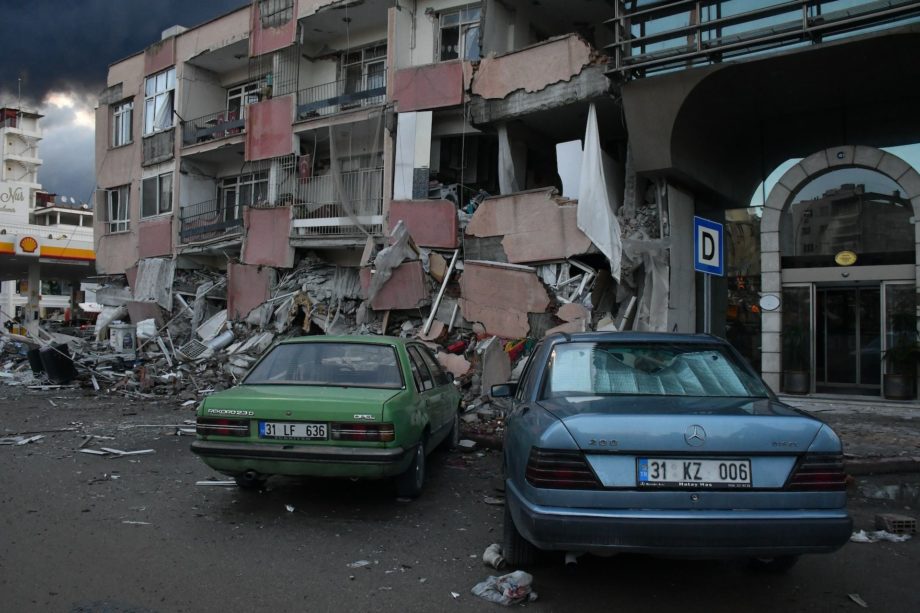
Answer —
878 466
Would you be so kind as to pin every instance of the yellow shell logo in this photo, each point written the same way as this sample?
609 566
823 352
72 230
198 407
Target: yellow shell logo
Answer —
28 244
845 258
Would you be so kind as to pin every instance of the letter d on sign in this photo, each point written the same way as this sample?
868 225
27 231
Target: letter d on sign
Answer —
707 243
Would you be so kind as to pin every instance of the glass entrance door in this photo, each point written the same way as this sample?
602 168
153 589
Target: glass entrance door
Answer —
848 339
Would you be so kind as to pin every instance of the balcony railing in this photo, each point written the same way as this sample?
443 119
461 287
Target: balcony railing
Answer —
335 97
320 212
208 220
659 35
210 127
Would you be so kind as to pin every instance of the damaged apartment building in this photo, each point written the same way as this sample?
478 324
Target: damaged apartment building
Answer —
462 164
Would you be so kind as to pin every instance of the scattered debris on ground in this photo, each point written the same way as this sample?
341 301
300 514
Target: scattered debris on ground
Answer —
507 590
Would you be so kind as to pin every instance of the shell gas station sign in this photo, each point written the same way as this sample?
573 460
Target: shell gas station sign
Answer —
28 246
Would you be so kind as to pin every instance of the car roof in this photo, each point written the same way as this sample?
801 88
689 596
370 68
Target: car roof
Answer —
637 337
364 339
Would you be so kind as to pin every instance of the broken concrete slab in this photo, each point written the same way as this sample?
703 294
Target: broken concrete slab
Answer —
154 281
139 311
500 296
431 223
456 365
405 289
263 228
573 312
247 287
537 226
496 366
532 68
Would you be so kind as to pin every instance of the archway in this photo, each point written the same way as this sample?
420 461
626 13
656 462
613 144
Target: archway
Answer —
773 276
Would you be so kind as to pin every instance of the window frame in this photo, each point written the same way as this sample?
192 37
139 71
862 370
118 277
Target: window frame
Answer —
160 192
118 224
462 26
364 61
122 122
236 184
438 374
422 368
157 93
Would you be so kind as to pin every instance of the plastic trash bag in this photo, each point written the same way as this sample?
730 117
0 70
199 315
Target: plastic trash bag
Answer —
507 590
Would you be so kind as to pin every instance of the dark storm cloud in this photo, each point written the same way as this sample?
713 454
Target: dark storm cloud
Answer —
68 45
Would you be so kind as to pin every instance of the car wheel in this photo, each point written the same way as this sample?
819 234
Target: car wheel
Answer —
409 484
453 437
777 565
246 482
517 550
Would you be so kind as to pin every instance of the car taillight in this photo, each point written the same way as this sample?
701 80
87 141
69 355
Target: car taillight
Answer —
221 426
363 432
560 469
819 472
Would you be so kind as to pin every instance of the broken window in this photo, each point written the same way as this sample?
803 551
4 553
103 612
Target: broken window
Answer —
275 13
122 116
243 190
365 69
116 209
459 34
241 96
158 101
156 195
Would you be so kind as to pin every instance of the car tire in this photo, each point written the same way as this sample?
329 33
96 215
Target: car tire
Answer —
410 483
452 440
517 550
777 565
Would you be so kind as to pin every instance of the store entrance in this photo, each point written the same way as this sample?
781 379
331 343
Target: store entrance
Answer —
848 340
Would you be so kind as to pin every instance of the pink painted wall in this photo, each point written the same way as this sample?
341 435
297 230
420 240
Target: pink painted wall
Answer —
500 296
533 68
429 87
536 225
159 56
154 237
247 288
406 289
269 132
265 40
267 239
431 223
115 253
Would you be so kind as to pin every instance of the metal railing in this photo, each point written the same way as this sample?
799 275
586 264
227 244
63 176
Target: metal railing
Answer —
334 97
657 35
207 220
213 126
319 211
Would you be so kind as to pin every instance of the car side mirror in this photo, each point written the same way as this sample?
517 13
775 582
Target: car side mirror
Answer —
504 390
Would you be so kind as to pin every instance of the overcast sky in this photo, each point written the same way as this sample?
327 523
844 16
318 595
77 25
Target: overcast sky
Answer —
61 50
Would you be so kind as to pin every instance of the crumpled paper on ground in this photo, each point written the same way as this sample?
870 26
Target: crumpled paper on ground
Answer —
878 535
507 590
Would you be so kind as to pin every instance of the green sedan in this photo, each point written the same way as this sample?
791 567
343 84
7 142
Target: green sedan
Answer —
332 406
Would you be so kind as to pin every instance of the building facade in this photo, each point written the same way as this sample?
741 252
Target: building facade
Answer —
580 135
46 247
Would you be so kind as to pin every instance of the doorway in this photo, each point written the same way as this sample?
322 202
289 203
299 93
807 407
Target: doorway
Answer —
848 340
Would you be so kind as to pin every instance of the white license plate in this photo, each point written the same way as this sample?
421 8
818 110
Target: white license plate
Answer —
300 431
688 472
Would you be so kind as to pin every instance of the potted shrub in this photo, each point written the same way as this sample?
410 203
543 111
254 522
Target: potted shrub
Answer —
902 357
796 360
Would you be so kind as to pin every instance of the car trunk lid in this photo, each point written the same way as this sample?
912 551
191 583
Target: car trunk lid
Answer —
301 403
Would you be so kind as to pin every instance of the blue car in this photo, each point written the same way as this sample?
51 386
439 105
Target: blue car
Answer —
664 444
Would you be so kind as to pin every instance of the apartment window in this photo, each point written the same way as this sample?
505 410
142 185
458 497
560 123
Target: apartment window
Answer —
459 34
122 118
241 96
240 191
117 210
275 13
156 195
364 69
159 92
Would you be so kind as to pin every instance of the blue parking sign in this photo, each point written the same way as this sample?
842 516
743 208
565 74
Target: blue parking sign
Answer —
708 253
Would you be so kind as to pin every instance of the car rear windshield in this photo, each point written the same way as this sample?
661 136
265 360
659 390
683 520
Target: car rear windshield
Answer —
596 369
329 364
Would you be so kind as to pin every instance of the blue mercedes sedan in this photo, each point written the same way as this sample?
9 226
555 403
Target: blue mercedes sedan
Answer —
664 444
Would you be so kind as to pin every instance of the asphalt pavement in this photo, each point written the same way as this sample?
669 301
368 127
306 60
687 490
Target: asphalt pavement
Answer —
95 534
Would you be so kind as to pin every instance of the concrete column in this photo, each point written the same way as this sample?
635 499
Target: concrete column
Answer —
7 308
33 303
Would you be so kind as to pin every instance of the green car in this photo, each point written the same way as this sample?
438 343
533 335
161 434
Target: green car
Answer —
332 406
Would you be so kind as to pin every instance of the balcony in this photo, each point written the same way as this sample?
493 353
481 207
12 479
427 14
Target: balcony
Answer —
342 95
319 213
211 127
208 220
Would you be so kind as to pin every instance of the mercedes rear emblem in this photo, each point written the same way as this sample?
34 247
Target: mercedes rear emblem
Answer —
695 436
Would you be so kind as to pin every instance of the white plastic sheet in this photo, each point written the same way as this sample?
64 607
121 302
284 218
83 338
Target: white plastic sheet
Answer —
596 214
